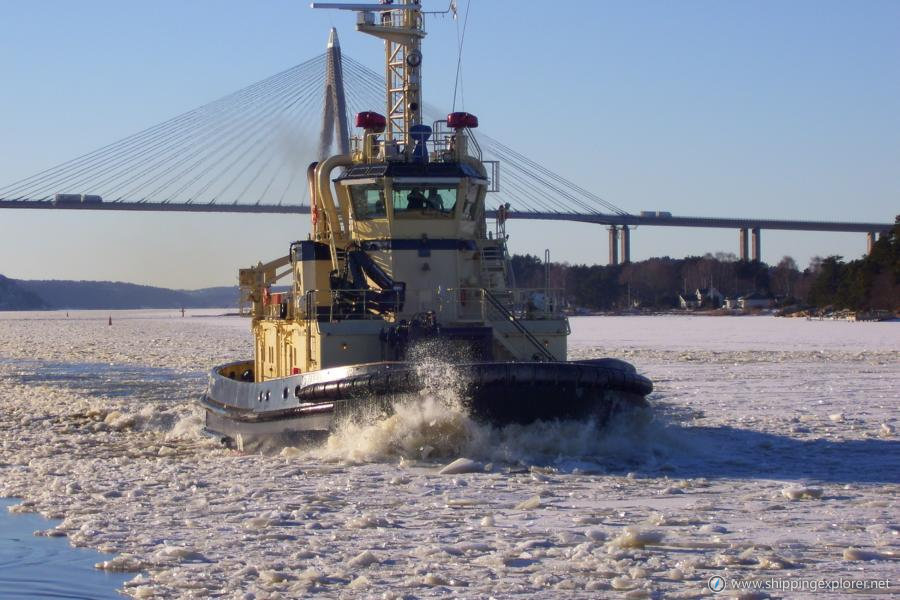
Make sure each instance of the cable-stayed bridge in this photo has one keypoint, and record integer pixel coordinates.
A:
(247, 152)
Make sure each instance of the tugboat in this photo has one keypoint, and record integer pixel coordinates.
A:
(401, 263)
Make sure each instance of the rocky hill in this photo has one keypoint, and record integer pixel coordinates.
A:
(14, 297)
(18, 294)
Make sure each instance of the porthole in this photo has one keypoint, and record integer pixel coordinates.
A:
(284, 394)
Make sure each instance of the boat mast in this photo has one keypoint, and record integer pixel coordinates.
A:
(399, 24)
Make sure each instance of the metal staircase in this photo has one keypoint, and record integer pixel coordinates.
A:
(493, 267)
(543, 352)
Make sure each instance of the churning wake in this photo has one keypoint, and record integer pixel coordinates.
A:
(434, 425)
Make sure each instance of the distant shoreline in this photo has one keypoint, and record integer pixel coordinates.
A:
(22, 294)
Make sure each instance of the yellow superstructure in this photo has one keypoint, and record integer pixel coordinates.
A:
(399, 249)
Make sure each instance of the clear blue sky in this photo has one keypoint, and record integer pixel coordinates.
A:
(765, 108)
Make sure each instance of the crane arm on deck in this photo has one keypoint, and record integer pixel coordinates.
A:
(254, 279)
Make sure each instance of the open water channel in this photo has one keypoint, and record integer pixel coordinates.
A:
(34, 567)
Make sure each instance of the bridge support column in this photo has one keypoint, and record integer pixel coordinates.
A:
(755, 244)
(613, 245)
(742, 244)
(870, 242)
(626, 245)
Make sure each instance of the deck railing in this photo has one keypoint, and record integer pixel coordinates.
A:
(472, 304)
(464, 304)
(443, 145)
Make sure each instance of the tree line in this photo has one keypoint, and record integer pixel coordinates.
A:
(871, 282)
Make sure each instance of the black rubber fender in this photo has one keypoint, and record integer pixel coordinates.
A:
(611, 374)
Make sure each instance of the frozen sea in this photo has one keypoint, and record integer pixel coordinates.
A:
(769, 454)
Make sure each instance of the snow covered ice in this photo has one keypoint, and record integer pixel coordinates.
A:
(741, 468)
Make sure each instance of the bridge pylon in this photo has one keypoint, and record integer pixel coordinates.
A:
(625, 250)
(756, 250)
(334, 113)
(613, 245)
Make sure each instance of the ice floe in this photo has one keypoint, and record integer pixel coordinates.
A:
(462, 465)
(738, 467)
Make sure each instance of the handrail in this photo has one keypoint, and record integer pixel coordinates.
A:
(525, 304)
(518, 325)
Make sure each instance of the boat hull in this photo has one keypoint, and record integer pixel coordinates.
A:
(308, 406)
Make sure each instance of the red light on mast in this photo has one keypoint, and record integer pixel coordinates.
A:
(371, 121)
(458, 120)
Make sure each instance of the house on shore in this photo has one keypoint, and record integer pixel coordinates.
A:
(701, 298)
(755, 300)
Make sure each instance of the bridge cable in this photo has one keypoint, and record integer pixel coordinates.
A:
(120, 145)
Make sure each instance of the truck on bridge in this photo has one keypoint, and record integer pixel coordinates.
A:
(76, 199)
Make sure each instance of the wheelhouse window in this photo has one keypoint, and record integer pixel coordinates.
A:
(368, 202)
(428, 200)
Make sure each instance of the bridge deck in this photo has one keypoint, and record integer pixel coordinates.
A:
(602, 219)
